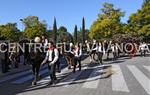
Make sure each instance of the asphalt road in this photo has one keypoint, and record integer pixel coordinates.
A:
(124, 76)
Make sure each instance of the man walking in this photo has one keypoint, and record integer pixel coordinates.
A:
(52, 57)
(77, 53)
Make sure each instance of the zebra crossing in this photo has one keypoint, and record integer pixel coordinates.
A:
(118, 81)
(141, 78)
(119, 78)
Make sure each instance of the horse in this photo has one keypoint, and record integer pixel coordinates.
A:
(67, 54)
(36, 58)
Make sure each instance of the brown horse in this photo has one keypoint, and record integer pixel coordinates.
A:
(68, 55)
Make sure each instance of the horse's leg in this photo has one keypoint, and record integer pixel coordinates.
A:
(17, 62)
(37, 71)
(108, 54)
(68, 62)
(58, 66)
(72, 61)
(90, 57)
(34, 74)
(94, 56)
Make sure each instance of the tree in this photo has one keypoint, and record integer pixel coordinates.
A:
(33, 27)
(49, 34)
(75, 34)
(9, 32)
(62, 34)
(55, 31)
(62, 29)
(83, 30)
(108, 23)
(140, 21)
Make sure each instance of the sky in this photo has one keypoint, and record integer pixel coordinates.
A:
(68, 13)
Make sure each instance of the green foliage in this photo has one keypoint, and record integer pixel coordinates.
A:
(33, 27)
(62, 34)
(79, 35)
(75, 34)
(83, 30)
(108, 23)
(62, 29)
(49, 35)
(55, 31)
(140, 21)
(9, 32)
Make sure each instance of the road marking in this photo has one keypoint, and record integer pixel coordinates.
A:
(147, 67)
(93, 80)
(118, 82)
(141, 78)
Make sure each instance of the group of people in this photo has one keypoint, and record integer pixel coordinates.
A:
(102, 48)
(52, 59)
(73, 55)
(116, 49)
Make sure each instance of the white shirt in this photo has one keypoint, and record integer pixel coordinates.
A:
(76, 52)
(142, 46)
(49, 56)
(88, 47)
(113, 48)
(95, 47)
(100, 49)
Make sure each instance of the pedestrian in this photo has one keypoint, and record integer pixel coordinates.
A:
(51, 58)
(113, 48)
(100, 52)
(77, 57)
(143, 49)
(3, 59)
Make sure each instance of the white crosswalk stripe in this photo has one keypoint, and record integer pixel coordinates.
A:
(147, 67)
(93, 80)
(141, 78)
(118, 81)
